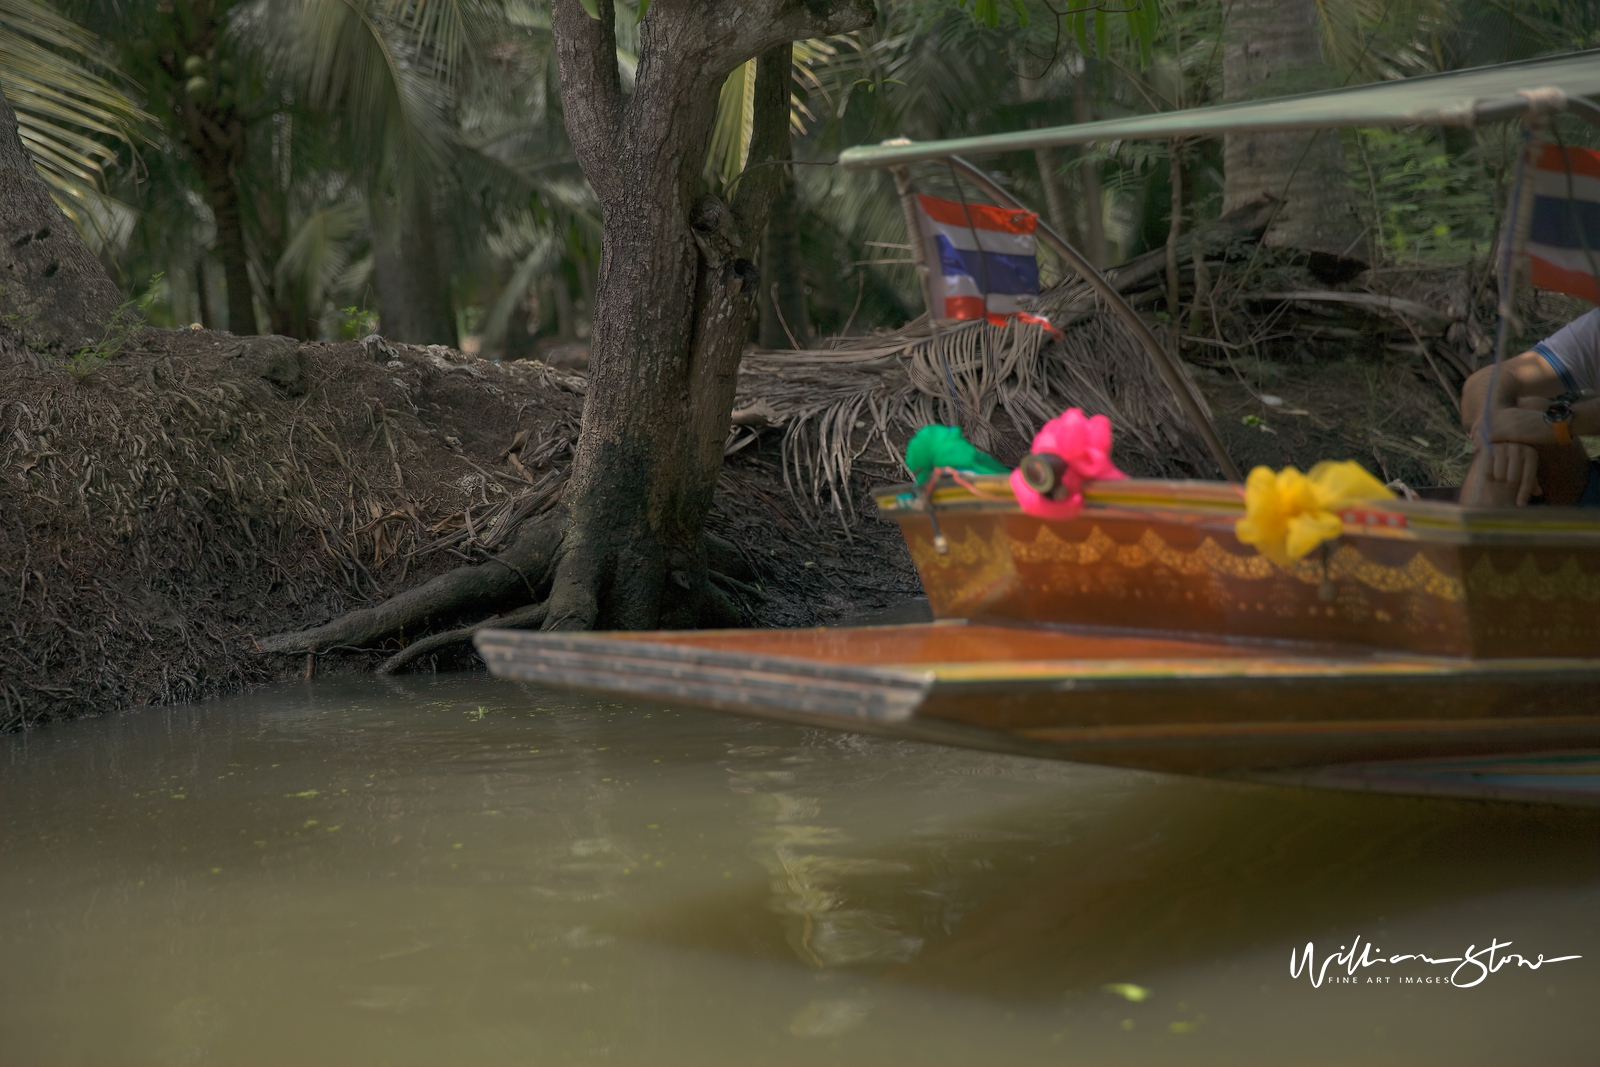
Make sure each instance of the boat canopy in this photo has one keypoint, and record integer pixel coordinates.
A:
(1455, 98)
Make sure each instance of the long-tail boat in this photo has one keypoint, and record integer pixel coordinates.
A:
(1427, 648)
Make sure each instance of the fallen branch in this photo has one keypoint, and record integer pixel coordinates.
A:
(1371, 301)
(1211, 238)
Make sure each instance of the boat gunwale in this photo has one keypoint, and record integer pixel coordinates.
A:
(658, 648)
(1219, 504)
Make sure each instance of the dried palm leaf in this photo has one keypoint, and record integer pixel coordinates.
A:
(857, 402)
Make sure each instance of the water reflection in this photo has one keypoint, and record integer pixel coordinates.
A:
(458, 870)
(808, 867)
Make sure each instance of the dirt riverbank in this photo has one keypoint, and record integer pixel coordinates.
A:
(201, 489)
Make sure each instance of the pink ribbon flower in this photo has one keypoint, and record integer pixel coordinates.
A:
(1084, 443)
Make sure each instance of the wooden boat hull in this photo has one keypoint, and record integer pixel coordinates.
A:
(1407, 576)
(1137, 701)
(1570, 778)
(1143, 634)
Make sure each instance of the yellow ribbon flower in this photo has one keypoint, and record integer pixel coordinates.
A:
(1287, 514)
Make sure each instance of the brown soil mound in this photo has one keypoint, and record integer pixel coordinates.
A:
(159, 512)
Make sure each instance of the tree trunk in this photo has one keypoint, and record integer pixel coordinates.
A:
(215, 164)
(1055, 202)
(584, 325)
(1094, 226)
(203, 292)
(675, 294)
(561, 297)
(1174, 231)
(413, 294)
(1272, 48)
(53, 291)
(673, 308)
(215, 136)
(783, 287)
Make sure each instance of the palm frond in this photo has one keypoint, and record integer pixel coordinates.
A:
(370, 63)
(541, 258)
(318, 251)
(730, 133)
(857, 403)
(1371, 40)
(69, 117)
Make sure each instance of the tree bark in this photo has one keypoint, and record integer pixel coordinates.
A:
(676, 291)
(53, 291)
(783, 290)
(413, 296)
(1272, 48)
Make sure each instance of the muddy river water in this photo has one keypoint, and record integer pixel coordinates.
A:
(457, 870)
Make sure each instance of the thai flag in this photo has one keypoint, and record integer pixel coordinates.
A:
(984, 258)
(1564, 234)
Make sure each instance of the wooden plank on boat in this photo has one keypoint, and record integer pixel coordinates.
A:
(1152, 702)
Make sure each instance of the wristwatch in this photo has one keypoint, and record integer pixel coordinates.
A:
(1559, 416)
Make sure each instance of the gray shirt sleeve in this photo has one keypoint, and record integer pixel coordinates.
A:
(1573, 352)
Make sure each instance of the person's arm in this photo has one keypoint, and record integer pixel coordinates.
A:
(1528, 374)
(1522, 393)
(1527, 425)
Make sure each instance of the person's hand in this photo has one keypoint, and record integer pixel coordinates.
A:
(1512, 473)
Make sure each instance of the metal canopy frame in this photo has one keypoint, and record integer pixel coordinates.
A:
(1455, 98)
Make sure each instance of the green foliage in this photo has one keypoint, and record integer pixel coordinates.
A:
(355, 322)
(128, 320)
(342, 109)
(1137, 28)
(987, 12)
(1423, 203)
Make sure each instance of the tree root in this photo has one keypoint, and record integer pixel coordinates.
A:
(720, 611)
(520, 589)
(527, 618)
(736, 585)
(518, 575)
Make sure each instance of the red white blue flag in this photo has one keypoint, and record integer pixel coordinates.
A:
(1564, 234)
(984, 259)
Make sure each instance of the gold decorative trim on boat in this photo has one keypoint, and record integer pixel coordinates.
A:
(1567, 582)
(1419, 575)
(1403, 576)
(1218, 504)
